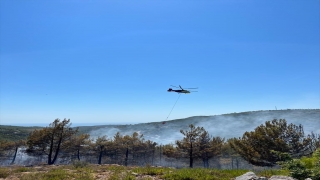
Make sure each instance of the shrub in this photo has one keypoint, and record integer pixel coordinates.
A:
(298, 169)
(306, 167)
(316, 173)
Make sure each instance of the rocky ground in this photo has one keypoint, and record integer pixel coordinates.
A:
(253, 176)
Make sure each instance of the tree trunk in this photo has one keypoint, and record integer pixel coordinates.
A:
(78, 154)
(126, 159)
(50, 151)
(160, 156)
(152, 156)
(191, 156)
(15, 155)
(100, 157)
(57, 150)
(205, 162)
(237, 163)
(216, 162)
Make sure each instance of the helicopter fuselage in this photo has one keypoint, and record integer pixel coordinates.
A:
(179, 91)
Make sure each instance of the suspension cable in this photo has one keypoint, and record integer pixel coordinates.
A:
(173, 106)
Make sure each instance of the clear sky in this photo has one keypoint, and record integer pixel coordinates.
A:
(111, 62)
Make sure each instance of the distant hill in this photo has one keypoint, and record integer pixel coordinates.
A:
(225, 125)
(14, 133)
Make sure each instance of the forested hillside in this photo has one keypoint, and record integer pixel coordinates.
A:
(226, 125)
(14, 133)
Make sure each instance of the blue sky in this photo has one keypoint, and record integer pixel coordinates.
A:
(111, 62)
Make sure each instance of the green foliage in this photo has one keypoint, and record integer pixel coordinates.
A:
(196, 144)
(201, 173)
(282, 156)
(170, 151)
(298, 169)
(308, 162)
(306, 167)
(50, 140)
(76, 146)
(274, 141)
(316, 157)
(316, 173)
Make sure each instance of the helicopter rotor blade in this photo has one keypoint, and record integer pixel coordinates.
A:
(183, 88)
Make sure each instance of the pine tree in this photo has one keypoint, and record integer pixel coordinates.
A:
(272, 142)
(77, 145)
(100, 147)
(49, 141)
(188, 145)
(209, 147)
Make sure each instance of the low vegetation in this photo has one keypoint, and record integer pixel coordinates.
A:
(116, 172)
(305, 167)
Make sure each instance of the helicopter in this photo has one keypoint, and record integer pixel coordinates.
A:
(182, 90)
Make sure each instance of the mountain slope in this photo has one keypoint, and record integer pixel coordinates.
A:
(226, 125)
